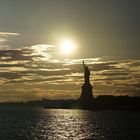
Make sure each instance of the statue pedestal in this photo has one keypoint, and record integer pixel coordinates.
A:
(86, 95)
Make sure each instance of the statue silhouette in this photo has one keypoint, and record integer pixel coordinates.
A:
(86, 73)
(86, 94)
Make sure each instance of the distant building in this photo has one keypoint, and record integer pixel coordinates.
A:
(86, 94)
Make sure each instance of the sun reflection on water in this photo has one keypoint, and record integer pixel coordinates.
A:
(65, 124)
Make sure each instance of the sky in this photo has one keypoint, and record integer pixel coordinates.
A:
(106, 34)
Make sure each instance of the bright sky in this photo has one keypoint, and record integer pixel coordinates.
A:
(105, 33)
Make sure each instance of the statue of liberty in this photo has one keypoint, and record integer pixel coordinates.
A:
(86, 94)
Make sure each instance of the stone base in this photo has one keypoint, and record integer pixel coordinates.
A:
(86, 95)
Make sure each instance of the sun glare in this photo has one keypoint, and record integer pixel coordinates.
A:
(67, 46)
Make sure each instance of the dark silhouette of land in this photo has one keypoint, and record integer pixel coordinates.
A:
(101, 102)
(86, 100)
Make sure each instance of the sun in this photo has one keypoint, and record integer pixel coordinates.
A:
(67, 46)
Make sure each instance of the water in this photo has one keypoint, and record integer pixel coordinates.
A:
(41, 124)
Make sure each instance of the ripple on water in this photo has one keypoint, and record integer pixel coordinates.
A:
(42, 124)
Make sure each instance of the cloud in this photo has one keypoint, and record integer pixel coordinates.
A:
(21, 94)
(130, 92)
(40, 67)
(6, 34)
(4, 38)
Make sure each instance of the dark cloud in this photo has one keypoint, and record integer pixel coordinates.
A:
(9, 75)
(12, 65)
(135, 63)
(17, 55)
